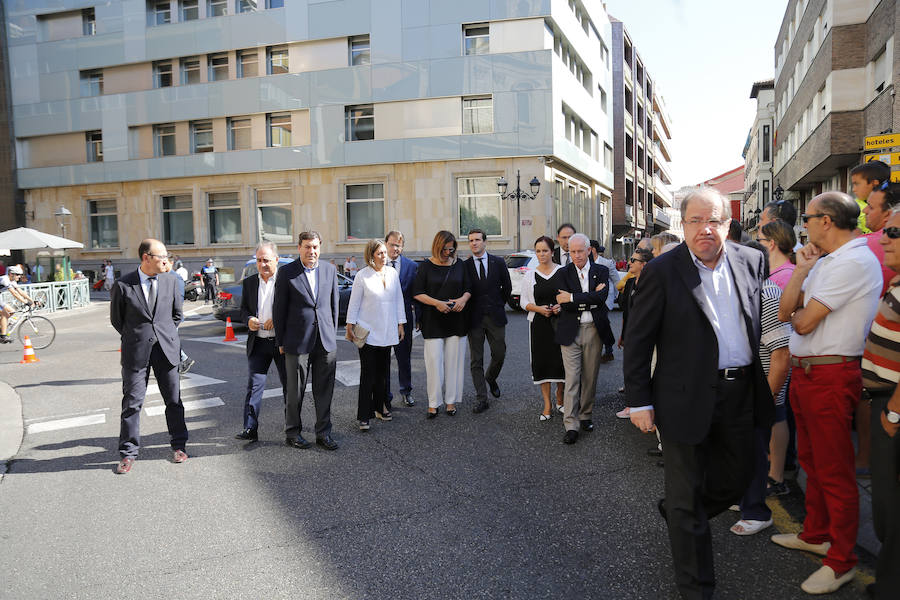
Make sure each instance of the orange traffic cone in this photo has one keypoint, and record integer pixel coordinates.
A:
(29, 356)
(229, 331)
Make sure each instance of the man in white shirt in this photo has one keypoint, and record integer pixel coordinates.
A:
(830, 300)
(109, 275)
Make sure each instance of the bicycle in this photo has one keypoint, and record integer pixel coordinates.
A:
(40, 330)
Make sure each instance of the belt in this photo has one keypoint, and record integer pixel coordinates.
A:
(735, 373)
(877, 393)
(807, 362)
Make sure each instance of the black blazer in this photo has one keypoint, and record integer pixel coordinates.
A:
(670, 313)
(297, 314)
(140, 330)
(626, 303)
(558, 251)
(250, 306)
(570, 317)
(489, 297)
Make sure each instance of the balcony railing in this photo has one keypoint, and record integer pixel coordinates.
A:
(661, 218)
(55, 295)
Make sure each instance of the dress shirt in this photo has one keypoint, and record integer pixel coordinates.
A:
(563, 258)
(483, 261)
(376, 303)
(585, 281)
(311, 278)
(264, 297)
(145, 286)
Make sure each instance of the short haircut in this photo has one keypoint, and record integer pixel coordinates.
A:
(645, 243)
(708, 193)
(477, 230)
(644, 254)
(371, 248)
(782, 234)
(393, 233)
(872, 171)
(595, 245)
(267, 246)
(144, 247)
(659, 240)
(308, 235)
(891, 193)
(735, 231)
(563, 226)
(440, 238)
(840, 207)
(581, 237)
(782, 209)
(550, 243)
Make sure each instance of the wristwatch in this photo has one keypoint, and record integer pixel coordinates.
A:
(891, 416)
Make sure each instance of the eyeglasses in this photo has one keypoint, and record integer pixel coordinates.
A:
(807, 217)
(162, 256)
(892, 232)
(449, 250)
(698, 221)
(883, 186)
(634, 260)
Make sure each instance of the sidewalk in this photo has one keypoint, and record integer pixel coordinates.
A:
(11, 426)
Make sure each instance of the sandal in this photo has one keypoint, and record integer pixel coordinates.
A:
(384, 416)
(749, 526)
(625, 413)
(546, 417)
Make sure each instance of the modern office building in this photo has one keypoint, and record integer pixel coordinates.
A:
(641, 148)
(215, 124)
(834, 70)
(758, 175)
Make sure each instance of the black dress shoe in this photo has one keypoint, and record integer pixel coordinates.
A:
(661, 506)
(495, 389)
(571, 437)
(480, 407)
(326, 442)
(249, 435)
(432, 415)
(297, 442)
(608, 357)
(587, 425)
(654, 452)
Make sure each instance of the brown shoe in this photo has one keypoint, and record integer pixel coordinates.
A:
(179, 456)
(124, 465)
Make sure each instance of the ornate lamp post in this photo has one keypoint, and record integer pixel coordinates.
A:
(518, 195)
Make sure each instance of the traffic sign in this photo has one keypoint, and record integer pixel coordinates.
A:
(874, 142)
(888, 158)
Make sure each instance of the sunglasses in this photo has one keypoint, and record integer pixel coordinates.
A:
(892, 232)
(763, 239)
(806, 217)
(449, 250)
(634, 260)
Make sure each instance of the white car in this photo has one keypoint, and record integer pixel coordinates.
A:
(518, 264)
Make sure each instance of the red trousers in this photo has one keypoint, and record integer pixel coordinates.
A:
(824, 402)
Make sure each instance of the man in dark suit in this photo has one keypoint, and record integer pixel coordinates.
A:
(257, 299)
(305, 313)
(582, 298)
(146, 311)
(406, 269)
(699, 307)
(561, 252)
(491, 288)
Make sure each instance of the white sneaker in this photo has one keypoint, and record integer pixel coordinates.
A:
(824, 581)
(793, 541)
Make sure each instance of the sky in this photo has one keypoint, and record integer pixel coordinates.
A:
(704, 56)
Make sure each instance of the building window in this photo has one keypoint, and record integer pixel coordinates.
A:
(104, 223)
(629, 147)
(92, 83)
(476, 38)
(164, 140)
(248, 63)
(162, 74)
(879, 71)
(279, 130)
(275, 4)
(246, 6)
(94, 140)
(178, 220)
(190, 10)
(766, 143)
(765, 192)
(278, 60)
(607, 157)
(602, 99)
(479, 205)
(88, 22)
(360, 50)
(360, 123)
(216, 8)
(239, 134)
(190, 70)
(273, 216)
(202, 136)
(162, 12)
(224, 218)
(365, 211)
(218, 67)
(478, 115)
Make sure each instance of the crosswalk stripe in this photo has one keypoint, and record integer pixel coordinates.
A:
(189, 405)
(66, 423)
(191, 380)
(218, 339)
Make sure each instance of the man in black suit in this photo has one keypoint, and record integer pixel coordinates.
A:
(305, 313)
(146, 311)
(257, 299)
(491, 288)
(561, 252)
(406, 269)
(582, 298)
(699, 307)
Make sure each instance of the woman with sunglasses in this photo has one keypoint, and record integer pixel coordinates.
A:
(442, 287)
(639, 258)
(778, 238)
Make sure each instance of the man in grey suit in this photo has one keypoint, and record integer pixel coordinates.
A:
(305, 314)
(145, 309)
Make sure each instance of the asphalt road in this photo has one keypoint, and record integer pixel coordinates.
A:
(477, 506)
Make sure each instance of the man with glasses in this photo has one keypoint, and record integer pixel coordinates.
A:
(406, 269)
(830, 300)
(879, 204)
(146, 310)
(698, 305)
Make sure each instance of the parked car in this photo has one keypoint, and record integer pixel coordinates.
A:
(518, 264)
(228, 303)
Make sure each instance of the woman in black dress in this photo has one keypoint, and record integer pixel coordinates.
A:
(539, 289)
(442, 287)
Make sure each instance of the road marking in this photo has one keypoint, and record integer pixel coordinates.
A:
(217, 339)
(191, 380)
(348, 372)
(68, 415)
(189, 405)
(66, 423)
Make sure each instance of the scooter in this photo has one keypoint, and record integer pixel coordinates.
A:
(193, 289)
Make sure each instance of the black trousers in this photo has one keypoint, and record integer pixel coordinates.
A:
(496, 338)
(606, 334)
(320, 366)
(885, 503)
(374, 370)
(263, 355)
(209, 288)
(703, 480)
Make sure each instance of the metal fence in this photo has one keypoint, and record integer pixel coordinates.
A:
(55, 295)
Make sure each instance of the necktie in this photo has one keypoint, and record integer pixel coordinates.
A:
(565, 259)
(481, 269)
(394, 263)
(151, 297)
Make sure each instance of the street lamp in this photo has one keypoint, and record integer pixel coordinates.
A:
(62, 215)
(518, 195)
(778, 194)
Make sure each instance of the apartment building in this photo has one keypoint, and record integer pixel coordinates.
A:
(641, 148)
(215, 124)
(834, 70)
(758, 174)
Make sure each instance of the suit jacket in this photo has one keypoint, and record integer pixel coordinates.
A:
(139, 328)
(669, 312)
(626, 303)
(250, 306)
(570, 317)
(407, 271)
(557, 252)
(297, 314)
(489, 297)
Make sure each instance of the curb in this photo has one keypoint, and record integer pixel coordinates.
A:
(11, 426)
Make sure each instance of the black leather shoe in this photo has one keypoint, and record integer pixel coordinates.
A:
(326, 442)
(297, 442)
(608, 357)
(432, 415)
(408, 400)
(654, 452)
(587, 425)
(661, 507)
(571, 437)
(495, 389)
(480, 407)
(249, 435)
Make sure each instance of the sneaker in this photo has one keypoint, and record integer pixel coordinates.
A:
(5, 339)
(185, 366)
(408, 400)
(825, 581)
(777, 488)
(793, 541)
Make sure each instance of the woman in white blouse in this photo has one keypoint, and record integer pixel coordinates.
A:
(376, 304)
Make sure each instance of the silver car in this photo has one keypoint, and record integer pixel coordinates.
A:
(518, 264)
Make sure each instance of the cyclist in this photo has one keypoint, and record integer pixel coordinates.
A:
(8, 283)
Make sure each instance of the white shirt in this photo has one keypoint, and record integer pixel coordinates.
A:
(528, 282)
(183, 273)
(109, 272)
(145, 285)
(7, 283)
(584, 279)
(311, 277)
(483, 260)
(376, 304)
(564, 258)
(848, 281)
(264, 297)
